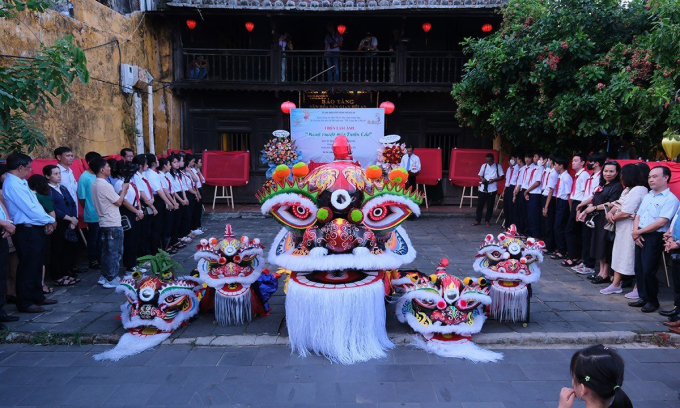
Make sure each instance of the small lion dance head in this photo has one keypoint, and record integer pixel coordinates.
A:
(510, 264)
(445, 311)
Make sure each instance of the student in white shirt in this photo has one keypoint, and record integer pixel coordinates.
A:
(532, 195)
(411, 163)
(520, 189)
(172, 206)
(160, 201)
(179, 190)
(489, 175)
(65, 159)
(573, 229)
(197, 209)
(147, 201)
(548, 183)
(510, 182)
(595, 163)
(562, 190)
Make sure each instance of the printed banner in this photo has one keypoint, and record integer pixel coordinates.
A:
(314, 130)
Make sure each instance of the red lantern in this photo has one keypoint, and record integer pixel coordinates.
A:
(341, 29)
(427, 27)
(388, 106)
(287, 106)
(250, 26)
(191, 24)
(487, 28)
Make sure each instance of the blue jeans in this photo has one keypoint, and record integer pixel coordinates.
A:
(198, 73)
(112, 251)
(94, 243)
(332, 58)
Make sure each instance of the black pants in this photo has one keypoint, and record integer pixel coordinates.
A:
(508, 210)
(169, 227)
(489, 199)
(646, 265)
(586, 240)
(573, 233)
(28, 241)
(534, 215)
(548, 223)
(4, 267)
(197, 214)
(63, 257)
(177, 223)
(185, 222)
(675, 270)
(560, 225)
(520, 208)
(145, 233)
(94, 242)
(130, 240)
(156, 240)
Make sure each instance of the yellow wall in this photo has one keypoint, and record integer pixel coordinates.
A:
(92, 120)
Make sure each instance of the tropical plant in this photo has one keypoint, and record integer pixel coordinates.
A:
(29, 84)
(568, 73)
(162, 265)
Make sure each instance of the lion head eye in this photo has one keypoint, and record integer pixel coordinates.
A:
(382, 213)
(294, 211)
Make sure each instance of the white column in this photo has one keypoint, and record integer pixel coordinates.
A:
(139, 126)
(149, 107)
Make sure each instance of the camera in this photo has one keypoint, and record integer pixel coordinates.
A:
(129, 169)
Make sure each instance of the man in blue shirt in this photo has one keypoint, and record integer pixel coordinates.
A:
(672, 237)
(94, 246)
(32, 223)
(649, 225)
(6, 229)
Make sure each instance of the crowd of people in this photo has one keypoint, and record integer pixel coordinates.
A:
(133, 206)
(585, 218)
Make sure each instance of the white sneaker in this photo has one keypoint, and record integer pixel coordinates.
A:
(102, 280)
(578, 267)
(611, 290)
(197, 231)
(112, 283)
(632, 295)
(586, 271)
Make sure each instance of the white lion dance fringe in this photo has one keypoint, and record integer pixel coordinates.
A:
(233, 310)
(509, 305)
(131, 344)
(344, 325)
(457, 349)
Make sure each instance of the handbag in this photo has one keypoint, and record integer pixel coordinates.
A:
(590, 221)
(70, 235)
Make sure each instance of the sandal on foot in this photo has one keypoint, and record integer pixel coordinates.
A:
(65, 281)
(47, 290)
(557, 255)
(569, 262)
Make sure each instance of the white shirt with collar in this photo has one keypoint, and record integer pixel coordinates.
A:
(591, 184)
(564, 189)
(520, 176)
(154, 180)
(580, 179)
(68, 180)
(139, 181)
(537, 175)
(512, 175)
(549, 181)
(415, 163)
(489, 172)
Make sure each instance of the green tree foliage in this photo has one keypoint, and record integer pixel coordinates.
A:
(560, 73)
(30, 84)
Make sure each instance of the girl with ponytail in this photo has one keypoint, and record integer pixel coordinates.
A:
(597, 377)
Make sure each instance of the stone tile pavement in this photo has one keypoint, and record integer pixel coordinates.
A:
(563, 302)
(174, 376)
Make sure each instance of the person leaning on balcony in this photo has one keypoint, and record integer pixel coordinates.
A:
(369, 45)
(285, 43)
(198, 68)
(332, 44)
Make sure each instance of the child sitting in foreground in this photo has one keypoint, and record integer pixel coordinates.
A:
(597, 376)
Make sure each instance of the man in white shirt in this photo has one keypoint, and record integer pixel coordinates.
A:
(411, 163)
(573, 229)
(518, 195)
(548, 183)
(562, 190)
(65, 158)
(489, 175)
(595, 163)
(532, 195)
(510, 182)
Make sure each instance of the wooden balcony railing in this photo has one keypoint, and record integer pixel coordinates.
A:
(300, 66)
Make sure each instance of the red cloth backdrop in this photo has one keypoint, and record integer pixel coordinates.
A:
(226, 168)
(675, 172)
(465, 164)
(431, 165)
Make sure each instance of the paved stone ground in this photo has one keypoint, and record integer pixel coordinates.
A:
(270, 376)
(563, 302)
